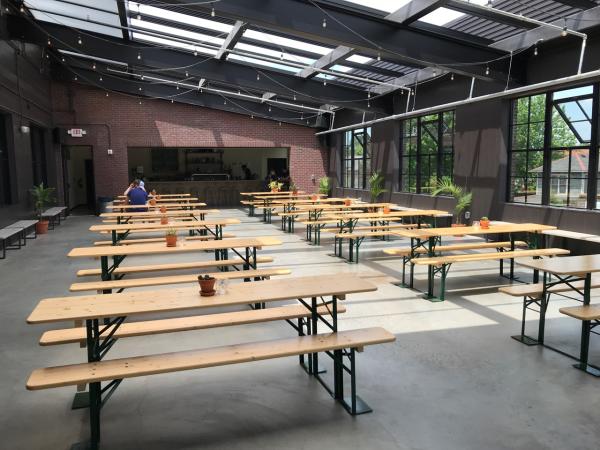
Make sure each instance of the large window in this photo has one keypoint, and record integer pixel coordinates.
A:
(550, 161)
(427, 151)
(356, 156)
(38, 156)
(5, 194)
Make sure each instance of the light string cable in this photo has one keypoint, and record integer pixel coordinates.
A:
(260, 114)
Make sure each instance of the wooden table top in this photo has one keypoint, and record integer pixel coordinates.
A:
(391, 214)
(566, 265)
(162, 195)
(156, 213)
(308, 201)
(182, 247)
(167, 200)
(157, 226)
(271, 193)
(185, 298)
(158, 205)
(424, 233)
(352, 206)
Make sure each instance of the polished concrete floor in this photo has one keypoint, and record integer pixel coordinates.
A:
(452, 380)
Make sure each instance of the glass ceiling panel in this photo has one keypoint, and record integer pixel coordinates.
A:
(186, 19)
(387, 5)
(359, 59)
(286, 42)
(273, 53)
(171, 43)
(185, 34)
(55, 12)
(258, 62)
(443, 16)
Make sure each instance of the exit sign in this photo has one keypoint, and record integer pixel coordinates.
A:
(76, 132)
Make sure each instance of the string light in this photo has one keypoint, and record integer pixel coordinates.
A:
(140, 102)
(94, 66)
(49, 42)
(140, 88)
(22, 8)
(324, 22)
(212, 12)
(101, 78)
(325, 82)
(258, 77)
(294, 97)
(62, 58)
(563, 33)
(269, 108)
(535, 51)
(107, 94)
(378, 56)
(451, 77)
(139, 56)
(186, 73)
(75, 78)
(172, 100)
(195, 51)
(79, 41)
(487, 70)
(224, 102)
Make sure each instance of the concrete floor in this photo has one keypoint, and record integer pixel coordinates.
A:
(452, 380)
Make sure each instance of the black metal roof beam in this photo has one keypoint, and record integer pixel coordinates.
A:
(414, 10)
(581, 4)
(488, 13)
(161, 92)
(230, 73)
(326, 61)
(365, 33)
(232, 38)
(123, 18)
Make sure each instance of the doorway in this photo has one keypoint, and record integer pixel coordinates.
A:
(80, 194)
(277, 164)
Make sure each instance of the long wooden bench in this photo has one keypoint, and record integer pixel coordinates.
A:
(175, 279)
(162, 239)
(160, 326)
(441, 264)
(589, 315)
(124, 270)
(532, 295)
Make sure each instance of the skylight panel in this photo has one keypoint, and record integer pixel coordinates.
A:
(443, 16)
(387, 5)
(171, 43)
(286, 42)
(186, 34)
(359, 59)
(273, 53)
(340, 68)
(258, 62)
(186, 19)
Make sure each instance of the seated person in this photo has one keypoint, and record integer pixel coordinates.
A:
(137, 196)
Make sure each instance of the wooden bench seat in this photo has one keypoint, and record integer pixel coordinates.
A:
(589, 315)
(121, 270)
(393, 226)
(441, 264)
(138, 366)
(160, 326)
(405, 251)
(536, 289)
(583, 312)
(175, 279)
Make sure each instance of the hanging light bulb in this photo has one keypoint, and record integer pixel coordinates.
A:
(101, 79)
(195, 51)
(94, 66)
(369, 94)
(301, 116)
(139, 56)
(281, 56)
(140, 102)
(269, 108)
(62, 59)
(22, 8)
(279, 123)
(79, 41)
(434, 73)
(212, 12)
(140, 88)
(252, 116)
(324, 22)
(178, 87)
(563, 33)
(186, 73)
(378, 56)
(75, 78)
(451, 77)
(107, 94)
(172, 100)
(49, 41)
(535, 51)
(142, 77)
(368, 104)
(325, 82)
(224, 102)
(487, 70)
(294, 97)
(257, 76)
(139, 16)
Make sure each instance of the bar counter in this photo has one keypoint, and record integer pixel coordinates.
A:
(213, 193)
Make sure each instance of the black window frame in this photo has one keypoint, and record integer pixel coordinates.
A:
(361, 134)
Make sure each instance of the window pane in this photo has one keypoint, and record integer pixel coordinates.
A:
(519, 137)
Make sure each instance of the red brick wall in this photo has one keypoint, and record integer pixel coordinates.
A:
(159, 123)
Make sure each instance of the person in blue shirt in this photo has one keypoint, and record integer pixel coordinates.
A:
(137, 196)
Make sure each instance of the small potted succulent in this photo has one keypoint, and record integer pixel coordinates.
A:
(386, 209)
(207, 285)
(347, 202)
(42, 197)
(294, 188)
(314, 197)
(164, 220)
(171, 237)
(275, 186)
(484, 222)
(153, 201)
(163, 209)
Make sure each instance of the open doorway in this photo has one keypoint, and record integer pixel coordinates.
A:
(80, 192)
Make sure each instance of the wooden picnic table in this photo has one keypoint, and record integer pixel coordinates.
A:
(428, 238)
(124, 216)
(121, 231)
(118, 253)
(251, 194)
(161, 196)
(565, 271)
(160, 201)
(190, 205)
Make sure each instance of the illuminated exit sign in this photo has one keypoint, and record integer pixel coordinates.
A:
(76, 132)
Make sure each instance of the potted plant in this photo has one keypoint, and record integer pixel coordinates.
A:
(294, 188)
(152, 201)
(462, 196)
(171, 237)
(42, 197)
(347, 202)
(164, 220)
(163, 209)
(324, 185)
(207, 285)
(484, 222)
(386, 209)
(314, 197)
(376, 182)
(275, 186)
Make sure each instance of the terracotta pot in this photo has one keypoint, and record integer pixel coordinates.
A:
(347, 202)
(485, 224)
(171, 240)
(41, 227)
(274, 190)
(386, 209)
(164, 220)
(158, 197)
(207, 287)
(163, 209)
(295, 192)
(314, 197)
(153, 202)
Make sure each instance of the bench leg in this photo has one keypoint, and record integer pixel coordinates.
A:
(354, 404)
(586, 328)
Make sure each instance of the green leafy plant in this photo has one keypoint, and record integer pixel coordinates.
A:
(376, 183)
(205, 277)
(171, 232)
(324, 185)
(293, 187)
(463, 198)
(42, 197)
(275, 185)
(485, 219)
